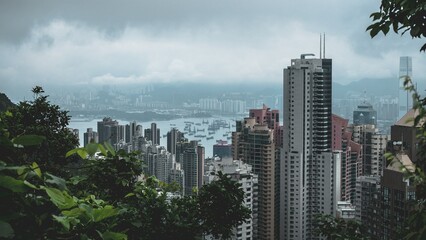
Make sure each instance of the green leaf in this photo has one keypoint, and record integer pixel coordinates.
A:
(6, 231)
(13, 184)
(375, 15)
(36, 169)
(82, 153)
(60, 198)
(102, 149)
(110, 148)
(59, 182)
(28, 140)
(77, 179)
(75, 212)
(30, 185)
(66, 221)
(71, 152)
(385, 29)
(113, 236)
(91, 149)
(129, 195)
(102, 213)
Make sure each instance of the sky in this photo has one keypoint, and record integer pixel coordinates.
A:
(92, 43)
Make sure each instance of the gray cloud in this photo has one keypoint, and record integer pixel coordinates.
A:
(97, 42)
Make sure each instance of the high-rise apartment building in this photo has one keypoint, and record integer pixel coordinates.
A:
(373, 148)
(383, 208)
(90, 136)
(405, 132)
(404, 97)
(174, 136)
(190, 167)
(110, 131)
(308, 166)
(153, 134)
(271, 118)
(158, 162)
(222, 149)
(367, 200)
(243, 174)
(351, 159)
(254, 144)
(201, 153)
(130, 131)
(365, 114)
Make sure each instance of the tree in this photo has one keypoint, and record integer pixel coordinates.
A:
(403, 16)
(337, 228)
(104, 197)
(5, 102)
(220, 206)
(39, 117)
(38, 205)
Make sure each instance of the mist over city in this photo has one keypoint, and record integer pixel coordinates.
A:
(212, 119)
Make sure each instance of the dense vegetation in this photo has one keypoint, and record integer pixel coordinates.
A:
(52, 190)
(5, 102)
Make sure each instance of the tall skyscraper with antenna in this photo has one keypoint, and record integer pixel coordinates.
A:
(308, 165)
(404, 97)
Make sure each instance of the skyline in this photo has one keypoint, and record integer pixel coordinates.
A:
(59, 43)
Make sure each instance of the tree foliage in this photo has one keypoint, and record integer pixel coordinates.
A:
(105, 196)
(401, 16)
(39, 117)
(337, 228)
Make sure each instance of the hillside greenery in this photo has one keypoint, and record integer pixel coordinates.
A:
(50, 189)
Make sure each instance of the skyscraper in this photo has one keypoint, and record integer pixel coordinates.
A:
(351, 160)
(243, 174)
(365, 114)
(174, 136)
(373, 148)
(254, 144)
(271, 118)
(153, 134)
(130, 131)
(201, 153)
(308, 163)
(110, 131)
(405, 101)
(190, 168)
(90, 136)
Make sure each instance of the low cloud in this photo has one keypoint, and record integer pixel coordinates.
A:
(72, 53)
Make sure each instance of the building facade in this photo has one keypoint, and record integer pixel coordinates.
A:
(243, 174)
(254, 144)
(365, 114)
(90, 136)
(308, 185)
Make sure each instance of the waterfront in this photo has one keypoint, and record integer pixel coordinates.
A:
(200, 124)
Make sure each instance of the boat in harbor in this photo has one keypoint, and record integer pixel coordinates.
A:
(209, 138)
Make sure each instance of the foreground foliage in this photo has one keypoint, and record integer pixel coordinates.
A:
(401, 16)
(102, 196)
(337, 228)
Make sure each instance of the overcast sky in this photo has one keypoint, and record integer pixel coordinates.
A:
(125, 42)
